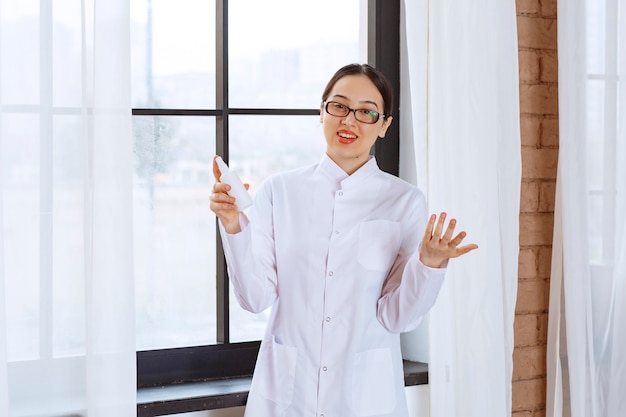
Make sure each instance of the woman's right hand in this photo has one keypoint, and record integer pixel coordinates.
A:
(223, 205)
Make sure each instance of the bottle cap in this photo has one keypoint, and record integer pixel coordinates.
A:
(222, 165)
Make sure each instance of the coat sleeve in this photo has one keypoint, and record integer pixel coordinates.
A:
(251, 255)
(411, 288)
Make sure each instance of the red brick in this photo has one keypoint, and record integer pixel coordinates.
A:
(529, 66)
(549, 68)
(539, 163)
(529, 394)
(529, 198)
(527, 263)
(548, 8)
(549, 132)
(528, 6)
(536, 229)
(526, 331)
(538, 71)
(542, 328)
(544, 261)
(532, 296)
(539, 99)
(529, 362)
(530, 129)
(547, 190)
(536, 32)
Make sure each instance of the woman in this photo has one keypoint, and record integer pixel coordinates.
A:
(344, 255)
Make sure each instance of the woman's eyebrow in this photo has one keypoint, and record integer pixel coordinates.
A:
(362, 101)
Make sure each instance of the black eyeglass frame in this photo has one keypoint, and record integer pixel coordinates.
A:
(379, 116)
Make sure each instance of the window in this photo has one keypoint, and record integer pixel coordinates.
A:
(243, 79)
(602, 129)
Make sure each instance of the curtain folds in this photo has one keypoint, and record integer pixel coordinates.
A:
(460, 129)
(586, 339)
(67, 337)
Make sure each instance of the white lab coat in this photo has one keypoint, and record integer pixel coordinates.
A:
(336, 257)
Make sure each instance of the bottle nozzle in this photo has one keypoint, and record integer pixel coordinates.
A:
(222, 165)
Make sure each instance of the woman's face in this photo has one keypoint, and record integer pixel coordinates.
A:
(348, 141)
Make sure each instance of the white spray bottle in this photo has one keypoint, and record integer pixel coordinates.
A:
(237, 189)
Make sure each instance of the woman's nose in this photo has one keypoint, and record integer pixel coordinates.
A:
(350, 118)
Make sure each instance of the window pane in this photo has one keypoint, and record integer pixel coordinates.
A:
(19, 67)
(174, 232)
(173, 53)
(67, 53)
(282, 52)
(259, 147)
(595, 133)
(68, 267)
(595, 36)
(21, 224)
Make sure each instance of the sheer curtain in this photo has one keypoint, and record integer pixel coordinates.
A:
(461, 144)
(67, 339)
(587, 318)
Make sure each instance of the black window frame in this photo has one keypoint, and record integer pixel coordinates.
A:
(231, 360)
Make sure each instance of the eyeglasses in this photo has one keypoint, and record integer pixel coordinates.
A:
(362, 115)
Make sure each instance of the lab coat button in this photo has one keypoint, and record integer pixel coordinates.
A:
(330, 274)
(327, 319)
(324, 369)
(340, 193)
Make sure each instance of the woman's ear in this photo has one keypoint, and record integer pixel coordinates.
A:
(385, 126)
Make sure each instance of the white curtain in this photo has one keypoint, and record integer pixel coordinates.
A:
(587, 317)
(460, 142)
(67, 338)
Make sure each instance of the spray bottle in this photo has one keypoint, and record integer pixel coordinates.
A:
(237, 189)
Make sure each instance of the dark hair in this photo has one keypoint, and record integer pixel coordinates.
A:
(378, 78)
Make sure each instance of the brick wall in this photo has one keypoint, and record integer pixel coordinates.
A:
(537, 37)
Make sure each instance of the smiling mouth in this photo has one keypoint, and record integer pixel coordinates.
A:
(345, 137)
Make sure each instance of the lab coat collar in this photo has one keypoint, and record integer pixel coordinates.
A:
(331, 170)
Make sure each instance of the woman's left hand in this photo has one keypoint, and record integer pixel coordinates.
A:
(437, 248)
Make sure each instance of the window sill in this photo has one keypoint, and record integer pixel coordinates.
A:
(224, 393)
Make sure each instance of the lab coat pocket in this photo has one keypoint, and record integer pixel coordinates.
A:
(373, 390)
(379, 243)
(275, 373)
